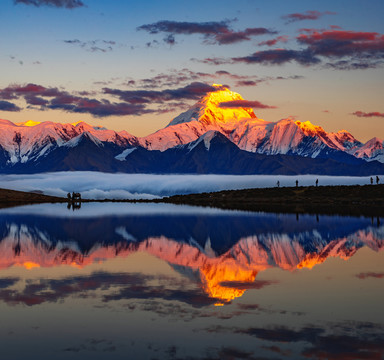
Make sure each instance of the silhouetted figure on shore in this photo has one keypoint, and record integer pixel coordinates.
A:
(317, 182)
(377, 180)
(76, 196)
(371, 180)
(74, 201)
(278, 183)
(297, 183)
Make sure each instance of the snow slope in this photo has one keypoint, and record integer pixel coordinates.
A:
(33, 141)
(30, 141)
(243, 128)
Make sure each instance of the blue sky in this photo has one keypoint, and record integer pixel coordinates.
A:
(95, 45)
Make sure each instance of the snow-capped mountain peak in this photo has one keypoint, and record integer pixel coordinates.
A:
(32, 140)
(309, 129)
(206, 138)
(217, 116)
(239, 124)
(28, 123)
(372, 150)
(83, 136)
(209, 112)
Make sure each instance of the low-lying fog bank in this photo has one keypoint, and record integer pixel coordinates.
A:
(95, 185)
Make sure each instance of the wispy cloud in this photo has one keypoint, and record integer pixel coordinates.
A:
(67, 4)
(127, 286)
(368, 114)
(370, 274)
(355, 49)
(245, 104)
(102, 104)
(184, 76)
(278, 57)
(97, 108)
(337, 49)
(241, 285)
(99, 345)
(132, 102)
(192, 91)
(8, 106)
(214, 32)
(307, 15)
(56, 99)
(274, 41)
(357, 340)
(93, 45)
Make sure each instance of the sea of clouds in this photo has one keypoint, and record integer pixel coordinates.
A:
(96, 185)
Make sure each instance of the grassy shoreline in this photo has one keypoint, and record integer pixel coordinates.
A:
(344, 200)
(10, 198)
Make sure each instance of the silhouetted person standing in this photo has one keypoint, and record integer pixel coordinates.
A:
(317, 182)
(278, 183)
(297, 183)
(377, 180)
(371, 180)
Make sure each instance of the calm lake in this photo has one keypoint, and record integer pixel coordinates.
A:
(160, 281)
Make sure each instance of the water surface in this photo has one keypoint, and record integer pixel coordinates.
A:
(161, 281)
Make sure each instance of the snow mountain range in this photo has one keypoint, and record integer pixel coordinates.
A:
(216, 135)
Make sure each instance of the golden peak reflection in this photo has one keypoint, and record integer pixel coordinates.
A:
(214, 275)
(30, 265)
(223, 277)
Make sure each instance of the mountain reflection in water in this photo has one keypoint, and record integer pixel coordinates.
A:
(141, 281)
(222, 251)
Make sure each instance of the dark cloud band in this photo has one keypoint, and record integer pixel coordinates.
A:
(8, 106)
(308, 15)
(67, 4)
(245, 104)
(213, 32)
(192, 91)
(368, 114)
(132, 102)
(336, 49)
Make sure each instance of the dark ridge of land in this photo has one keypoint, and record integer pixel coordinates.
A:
(9, 198)
(356, 200)
(367, 200)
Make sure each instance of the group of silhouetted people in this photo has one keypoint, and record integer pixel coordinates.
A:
(74, 196)
(297, 183)
(74, 201)
(377, 180)
(317, 182)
